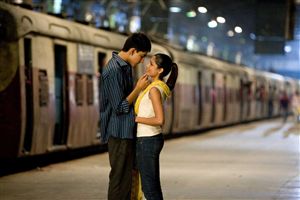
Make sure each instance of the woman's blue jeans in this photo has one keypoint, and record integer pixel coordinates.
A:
(147, 159)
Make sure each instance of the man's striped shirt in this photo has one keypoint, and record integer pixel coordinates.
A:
(116, 115)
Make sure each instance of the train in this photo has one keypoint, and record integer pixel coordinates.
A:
(49, 87)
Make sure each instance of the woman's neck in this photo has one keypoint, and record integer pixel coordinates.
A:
(154, 79)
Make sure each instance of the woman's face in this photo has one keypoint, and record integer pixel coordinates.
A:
(152, 69)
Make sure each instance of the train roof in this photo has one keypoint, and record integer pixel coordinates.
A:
(28, 21)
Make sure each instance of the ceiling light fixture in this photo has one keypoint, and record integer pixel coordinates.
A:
(191, 13)
(238, 29)
(175, 9)
(212, 24)
(221, 20)
(202, 9)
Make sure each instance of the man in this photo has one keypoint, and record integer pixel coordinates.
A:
(117, 121)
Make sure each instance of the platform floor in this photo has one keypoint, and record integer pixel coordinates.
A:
(255, 161)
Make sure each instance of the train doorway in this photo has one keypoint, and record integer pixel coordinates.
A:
(101, 64)
(225, 99)
(200, 104)
(241, 98)
(61, 96)
(29, 95)
(213, 98)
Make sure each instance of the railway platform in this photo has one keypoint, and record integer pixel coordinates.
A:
(253, 161)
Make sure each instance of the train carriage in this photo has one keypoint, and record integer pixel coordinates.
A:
(49, 96)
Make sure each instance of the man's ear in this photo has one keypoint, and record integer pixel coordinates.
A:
(131, 51)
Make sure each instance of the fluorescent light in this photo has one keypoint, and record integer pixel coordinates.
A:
(191, 14)
(202, 9)
(238, 29)
(287, 48)
(212, 24)
(221, 20)
(175, 9)
(230, 33)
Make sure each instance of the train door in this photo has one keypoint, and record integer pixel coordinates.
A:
(225, 98)
(247, 97)
(101, 60)
(199, 80)
(61, 96)
(213, 98)
(241, 98)
(29, 95)
(230, 99)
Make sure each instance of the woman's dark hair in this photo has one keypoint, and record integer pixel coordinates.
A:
(139, 41)
(165, 62)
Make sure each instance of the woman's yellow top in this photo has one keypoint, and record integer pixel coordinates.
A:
(159, 83)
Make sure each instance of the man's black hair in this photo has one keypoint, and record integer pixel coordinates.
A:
(139, 41)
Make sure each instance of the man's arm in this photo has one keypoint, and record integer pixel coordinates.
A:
(114, 89)
(140, 85)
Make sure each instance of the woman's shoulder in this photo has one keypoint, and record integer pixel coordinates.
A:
(158, 89)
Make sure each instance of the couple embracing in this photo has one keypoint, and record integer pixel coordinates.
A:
(122, 105)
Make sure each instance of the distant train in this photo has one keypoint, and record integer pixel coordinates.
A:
(49, 88)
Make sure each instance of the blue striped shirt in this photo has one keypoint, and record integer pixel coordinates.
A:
(116, 115)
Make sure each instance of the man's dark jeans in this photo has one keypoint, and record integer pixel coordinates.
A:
(147, 159)
(121, 154)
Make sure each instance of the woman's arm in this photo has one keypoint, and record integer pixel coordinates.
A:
(158, 119)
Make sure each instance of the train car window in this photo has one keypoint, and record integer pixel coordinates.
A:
(219, 94)
(85, 59)
(237, 95)
(207, 94)
(43, 88)
(79, 89)
(90, 90)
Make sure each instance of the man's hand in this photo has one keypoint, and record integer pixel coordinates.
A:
(142, 83)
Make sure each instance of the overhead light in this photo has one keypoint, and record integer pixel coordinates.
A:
(212, 24)
(135, 24)
(238, 29)
(221, 20)
(252, 36)
(57, 6)
(230, 33)
(202, 9)
(287, 48)
(175, 9)
(191, 13)
(18, 1)
(88, 17)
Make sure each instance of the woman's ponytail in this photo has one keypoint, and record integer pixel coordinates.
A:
(173, 76)
(164, 61)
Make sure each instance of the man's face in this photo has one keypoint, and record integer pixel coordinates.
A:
(137, 57)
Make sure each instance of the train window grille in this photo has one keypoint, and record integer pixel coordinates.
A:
(79, 89)
(237, 95)
(207, 94)
(231, 95)
(219, 94)
(90, 90)
(43, 88)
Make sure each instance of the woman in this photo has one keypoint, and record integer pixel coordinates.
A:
(150, 118)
